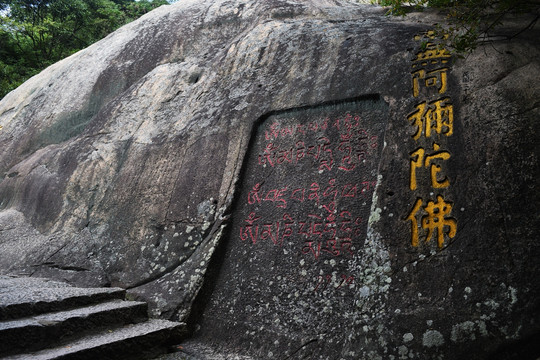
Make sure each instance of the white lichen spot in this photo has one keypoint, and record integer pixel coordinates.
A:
(468, 290)
(513, 295)
(303, 272)
(432, 338)
(364, 291)
(302, 262)
(333, 262)
(492, 304)
(403, 351)
(482, 328)
(375, 216)
(429, 323)
(189, 229)
(408, 337)
(463, 332)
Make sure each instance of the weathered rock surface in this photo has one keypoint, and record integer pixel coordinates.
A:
(297, 125)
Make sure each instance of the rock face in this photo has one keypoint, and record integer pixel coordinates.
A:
(294, 179)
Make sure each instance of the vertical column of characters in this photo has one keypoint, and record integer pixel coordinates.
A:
(432, 120)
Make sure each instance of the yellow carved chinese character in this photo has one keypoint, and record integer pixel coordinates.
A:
(435, 169)
(432, 78)
(418, 160)
(431, 34)
(433, 53)
(414, 222)
(436, 116)
(437, 221)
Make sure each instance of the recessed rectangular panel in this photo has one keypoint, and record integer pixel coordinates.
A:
(300, 219)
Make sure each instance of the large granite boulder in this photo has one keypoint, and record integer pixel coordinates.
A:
(294, 179)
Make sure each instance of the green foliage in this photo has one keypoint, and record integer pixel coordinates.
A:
(468, 20)
(37, 33)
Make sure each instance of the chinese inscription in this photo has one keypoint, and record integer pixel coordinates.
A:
(311, 182)
(432, 122)
(306, 193)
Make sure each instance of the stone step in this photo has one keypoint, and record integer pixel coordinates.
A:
(39, 331)
(23, 297)
(135, 341)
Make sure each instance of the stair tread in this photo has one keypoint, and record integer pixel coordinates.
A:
(94, 341)
(23, 297)
(48, 295)
(53, 318)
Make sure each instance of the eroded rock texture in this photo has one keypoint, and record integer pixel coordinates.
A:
(295, 179)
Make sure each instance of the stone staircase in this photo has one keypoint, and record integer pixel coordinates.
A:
(42, 319)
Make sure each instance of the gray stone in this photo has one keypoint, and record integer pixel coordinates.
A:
(152, 161)
(23, 296)
(143, 335)
(43, 319)
(38, 332)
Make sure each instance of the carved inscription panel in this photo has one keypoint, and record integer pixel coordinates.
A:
(309, 182)
(302, 213)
